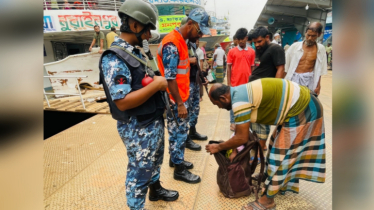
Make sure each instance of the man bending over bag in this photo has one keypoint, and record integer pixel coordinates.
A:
(298, 142)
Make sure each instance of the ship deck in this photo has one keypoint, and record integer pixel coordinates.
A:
(85, 167)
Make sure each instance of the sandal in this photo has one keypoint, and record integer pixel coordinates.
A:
(259, 206)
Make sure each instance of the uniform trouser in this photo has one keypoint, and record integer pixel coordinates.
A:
(145, 151)
(194, 103)
(177, 135)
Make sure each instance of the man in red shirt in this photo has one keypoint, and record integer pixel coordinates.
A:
(240, 63)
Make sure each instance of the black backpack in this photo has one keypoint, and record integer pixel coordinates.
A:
(235, 178)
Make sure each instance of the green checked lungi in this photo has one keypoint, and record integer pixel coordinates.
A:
(219, 74)
(297, 151)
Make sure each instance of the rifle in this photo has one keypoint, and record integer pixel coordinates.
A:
(152, 64)
(192, 54)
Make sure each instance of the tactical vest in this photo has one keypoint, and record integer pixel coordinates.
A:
(194, 68)
(151, 109)
(183, 68)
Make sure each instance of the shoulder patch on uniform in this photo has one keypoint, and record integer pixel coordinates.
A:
(120, 79)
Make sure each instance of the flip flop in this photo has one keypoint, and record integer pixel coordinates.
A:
(259, 206)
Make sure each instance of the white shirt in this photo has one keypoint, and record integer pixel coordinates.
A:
(220, 56)
(286, 47)
(293, 56)
(200, 55)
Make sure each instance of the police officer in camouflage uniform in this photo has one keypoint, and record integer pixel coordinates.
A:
(139, 110)
(174, 63)
(194, 99)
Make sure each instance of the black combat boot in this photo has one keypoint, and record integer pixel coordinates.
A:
(182, 174)
(185, 163)
(192, 145)
(195, 135)
(157, 192)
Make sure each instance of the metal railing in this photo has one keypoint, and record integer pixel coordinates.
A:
(82, 5)
(70, 94)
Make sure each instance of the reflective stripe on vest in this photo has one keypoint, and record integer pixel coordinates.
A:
(183, 68)
(183, 62)
(182, 71)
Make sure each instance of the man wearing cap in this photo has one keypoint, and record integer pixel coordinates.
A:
(137, 109)
(277, 39)
(194, 99)
(174, 64)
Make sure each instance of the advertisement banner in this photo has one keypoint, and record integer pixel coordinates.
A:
(328, 32)
(168, 23)
(79, 20)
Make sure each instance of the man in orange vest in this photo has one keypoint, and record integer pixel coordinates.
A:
(174, 64)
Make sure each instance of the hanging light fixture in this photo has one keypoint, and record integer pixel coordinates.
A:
(307, 7)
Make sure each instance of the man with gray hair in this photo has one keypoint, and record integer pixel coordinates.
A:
(306, 61)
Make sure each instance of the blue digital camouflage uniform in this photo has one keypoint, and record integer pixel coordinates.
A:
(194, 100)
(145, 145)
(177, 135)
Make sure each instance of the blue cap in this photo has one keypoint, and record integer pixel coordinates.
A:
(202, 18)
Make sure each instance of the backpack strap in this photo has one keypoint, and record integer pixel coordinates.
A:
(124, 54)
(258, 149)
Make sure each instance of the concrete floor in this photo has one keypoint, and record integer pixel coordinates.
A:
(85, 167)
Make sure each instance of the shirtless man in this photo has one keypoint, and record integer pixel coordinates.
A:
(306, 61)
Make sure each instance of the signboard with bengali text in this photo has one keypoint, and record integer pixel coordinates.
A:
(169, 22)
(79, 20)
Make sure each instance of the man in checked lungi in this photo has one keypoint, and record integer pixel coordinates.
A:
(297, 146)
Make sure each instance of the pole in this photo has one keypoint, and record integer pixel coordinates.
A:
(80, 94)
(46, 98)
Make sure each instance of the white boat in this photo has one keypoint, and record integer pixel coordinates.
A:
(69, 33)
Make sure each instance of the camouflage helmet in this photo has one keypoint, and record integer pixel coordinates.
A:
(140, 10)
(184, 20)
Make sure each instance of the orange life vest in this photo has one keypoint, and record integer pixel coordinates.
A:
(183, 68)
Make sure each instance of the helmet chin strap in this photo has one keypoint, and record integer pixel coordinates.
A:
(138, 35)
